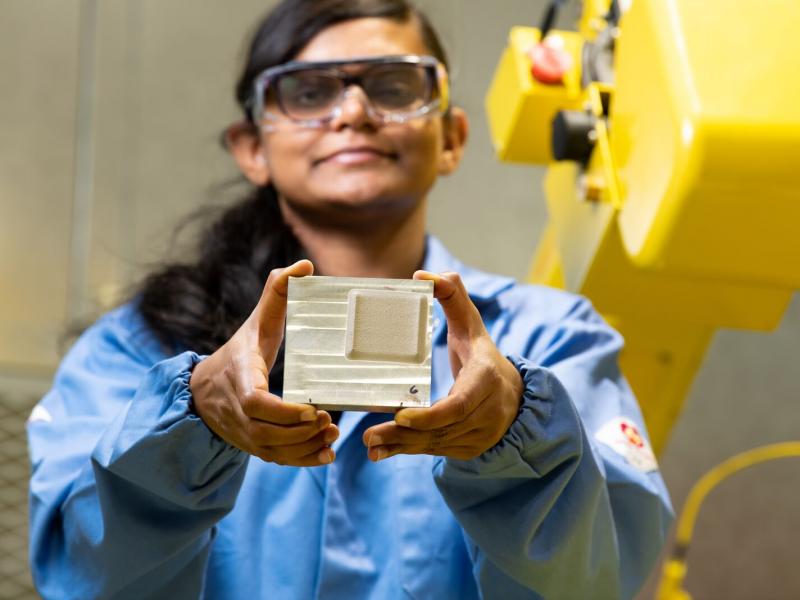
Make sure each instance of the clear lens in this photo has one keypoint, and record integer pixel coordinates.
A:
(397, 88)
(308, 94)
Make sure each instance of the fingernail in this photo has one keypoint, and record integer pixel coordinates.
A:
(331, 435)
(381, 453)
(402, 421)
(308, 415)
(375, 440)
(326, 456)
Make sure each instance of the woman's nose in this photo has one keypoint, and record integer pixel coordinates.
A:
(353, 110)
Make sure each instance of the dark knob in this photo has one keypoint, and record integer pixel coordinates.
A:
(573, 135)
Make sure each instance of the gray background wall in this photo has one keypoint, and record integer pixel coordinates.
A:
(109, 115)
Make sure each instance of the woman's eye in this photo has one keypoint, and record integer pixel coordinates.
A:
(397, 88)
(395, 93)
(307, 96)
(308, 92)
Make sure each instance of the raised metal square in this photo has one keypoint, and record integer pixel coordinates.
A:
(386, 325)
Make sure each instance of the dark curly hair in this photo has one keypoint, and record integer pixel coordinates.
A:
(200, 304)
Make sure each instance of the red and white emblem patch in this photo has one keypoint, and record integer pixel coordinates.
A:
(622, 435)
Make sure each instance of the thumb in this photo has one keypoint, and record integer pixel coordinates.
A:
(463, 318)
(464, 323)
(270, 312)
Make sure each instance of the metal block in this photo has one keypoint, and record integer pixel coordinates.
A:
(358, 343)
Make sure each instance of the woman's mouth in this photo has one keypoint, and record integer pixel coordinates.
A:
(357, 156)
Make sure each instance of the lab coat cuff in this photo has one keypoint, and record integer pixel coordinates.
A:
(160, 428)
(546, 433)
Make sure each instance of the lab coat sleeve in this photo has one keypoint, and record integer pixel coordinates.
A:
(551, 512)
(127, 481)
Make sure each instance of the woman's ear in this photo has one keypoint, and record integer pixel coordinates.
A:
(244, 143)
(456, 131)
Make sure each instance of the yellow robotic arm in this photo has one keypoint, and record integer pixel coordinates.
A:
(672, 138)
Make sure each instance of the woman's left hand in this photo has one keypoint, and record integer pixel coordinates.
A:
(481, 405)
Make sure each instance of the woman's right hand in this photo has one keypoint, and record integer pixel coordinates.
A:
(231, 393)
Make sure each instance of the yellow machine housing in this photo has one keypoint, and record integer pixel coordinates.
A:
(706, 138)
(523, 108)
(682, 219)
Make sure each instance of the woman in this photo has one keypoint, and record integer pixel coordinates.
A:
(165, 463)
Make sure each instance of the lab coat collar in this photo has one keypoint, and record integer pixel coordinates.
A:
(482, 287)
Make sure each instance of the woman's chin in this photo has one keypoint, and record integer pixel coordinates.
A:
(370, 206)
(355, 207)
(353, 193)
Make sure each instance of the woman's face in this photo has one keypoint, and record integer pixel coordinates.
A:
(356, 165)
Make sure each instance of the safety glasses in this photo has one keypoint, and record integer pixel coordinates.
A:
(310, 94)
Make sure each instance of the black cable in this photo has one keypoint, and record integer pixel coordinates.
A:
(614, 13)
(550, 16)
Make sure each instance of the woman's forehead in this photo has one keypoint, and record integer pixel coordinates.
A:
(364, 38)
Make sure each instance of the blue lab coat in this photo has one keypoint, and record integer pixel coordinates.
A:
(132, 496)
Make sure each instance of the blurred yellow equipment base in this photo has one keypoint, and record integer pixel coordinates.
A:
(683, 219)
(674, 570)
